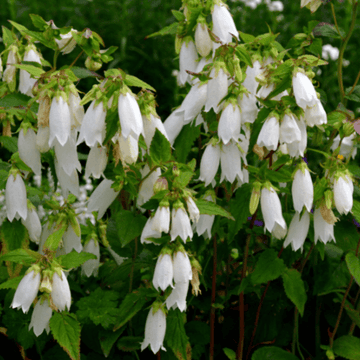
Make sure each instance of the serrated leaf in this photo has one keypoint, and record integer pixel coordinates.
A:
(8, 36)
(52, 242)
(316, 47)
(185, 141)
(75, 259)
(178, 15)
(167, 30)
(66, 331)
(108, 338)
(247, 37)
(210, 208)
(175, 336)
(272, 353)
(32, 70)
(160, 148)
(9, 143)
(282, 175)
(131, 80)
(14, 234)
(183, 179)
(11, 283)
(353, 264)
(282, 86)
(82, 73)
(295, 289)
(38, 21)
(268, 267)
(335, 116)
(129, 343)
(355, 95)
(348, 347)
(14, 100)
(243, 55)
(21, 256)
(328, 30)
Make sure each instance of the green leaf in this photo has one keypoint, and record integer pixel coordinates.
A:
(353, 314)
(130, 343)
(32, 70)
(14, 100)
(8, 36)
(268, 267)
(167, 30)
(328, 30)
(175, 336)
(131, 80)
(346, 235)
(183, 179)
(295, 289)
(335, 116)
(282, 86)
(210, 208)
(198, 332)
(316, 47)
(160, 148)
(185, 141)
(108, 338)
(353, 264)
(355, 95)
(21, 256)
(247, 37)
(272, 353)
(14, 234)
(39, 22)
(11, 284)
(131, 305)
(282, 175)
(82, 73)
(9, 143)
(178, 15)
(348, 347)
(243, 55)
(231, 354)
(66, 331)
(75, 259)
(52, 242)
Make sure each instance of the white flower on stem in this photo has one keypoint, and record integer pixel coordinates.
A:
(192, 209)
(76, 110)
(148, 232)
(217, 89)
(161, 219)
(40, 317)
(205, 222)
(187, 61)
(305, 2)
(60, 294)
(150, 125)
(209, 163)
(66, 156)
(279, 232)
(177, 297)
(223, 24)
(230, 162)
(173, 124)
(163, 274)
(315, 115)
(182, 267)
(248, 108)
(129, 149)
(202, 39)
(269, 134)
(28, 151)
(15, 197)
(130, 116)
(155, 331)
(297, 148)
(229, 123)
(146, 189)
(68, 183)
(194, 102)
(250, 82)
(93, 125)
(102, 198)
(96, 162)
(298, 231)
(67, 43)
(180, 225)
(26, 291)
(304, 91)
(33, 225)
(323, 230)
(271, 209)
(42, 139)
(343, 194)
(59, 121)
(71, 241)
(91, 267)
(302, 190)
(347, 147)
(289, 130)
(10, 70)
(26, 83)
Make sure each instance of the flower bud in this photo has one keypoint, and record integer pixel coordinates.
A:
(160, 185)
(92, 64)
(348, 129)
(203, 42)
(255, 197)
(40, 317)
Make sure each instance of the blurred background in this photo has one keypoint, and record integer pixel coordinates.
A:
(126, 23)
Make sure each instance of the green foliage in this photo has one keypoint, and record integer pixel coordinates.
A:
(75, 259)
(160, 148)
(348, 347)
(272, 352)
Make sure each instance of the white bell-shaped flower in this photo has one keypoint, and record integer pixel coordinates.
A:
(66, 156)
(323, 230)
(161, 219)
(15, 197)
(279, 232)
(298, 231)
(59, 121)
(177, 297)
(10, 70)
(250, 82)
(71, 241)
(91, 267)
(230, 162)
(96, 162)
(26, 82)
(187, 61)
(203, 41)
(146, 189)
(154, 331)
(315, 115)
(204, 225)
(209, 163)
(68, 183)
(40, 318)
(229, 123)
(148, 232)
(223, 24)
(92, 129)
(192, 209)
(163, 274)
(249, 110)
(289, 130)
(194, 102)
(173, 124)
(42, 139)
(150, 125)
(271, 209)
(76, 110)
(302, 190)
(180, 225)
(67, 43)
(102, 198)
(28, 151)
(60, 293)
(297, 148)
(182, 267)
(343, 194)
(304, 91)
(129, 149)
(33, 225)
(269, 134)
(26, 291)
(347, 147)
(217, 89)
(130, 116)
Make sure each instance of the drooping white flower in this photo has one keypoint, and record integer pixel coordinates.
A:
(182, 267)
(33, 225)
(271, 209)
(96, 162)
(289, 130)
(202, 40)
(302, 190)
(91, 267)
(76, 110)
(92, 129)
(155, 331)
(67, 43)
(59, 121)
(42, 139)
(180, 225)
(194, 102)
(28, 151)
(323, 230)
(187, 61)
(315, 115)
(173, 124)
(15, 197)
(163, 274)
(223, 24)
(250, 81)
(217, 89)
(343, 194)
(192, 209)
(26, 82)
(279, 232)
(10, 70)
(269, 134)
(129, 149)
(161, 219)
(297, 148)
(304, 91)
(40, 317)
(347, 147)
(71, 241)
(68, 183)
(229, 123)
(298, 231)
(66, 156)
(148, 232)
(150, 125)
(146, 189)
(205, 223)
(305, 2)
(230, 160)
(248, 108)
(209, 163)
(60, 294)
(177, 298)
(130, 116)
(102, 198)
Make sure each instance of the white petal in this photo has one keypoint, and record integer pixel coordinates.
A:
(163, 274)
(15, 197)
(28, 151)
(180, 225)
(59, 121)
(40, 318)
(60, 294)
(91, 267)
(302, 191)
(209, 163)
(269, 134)
(130, 116)
(154, 331)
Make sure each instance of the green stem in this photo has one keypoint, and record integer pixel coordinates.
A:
(56, 54)
(213, 295)
(12, 9)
